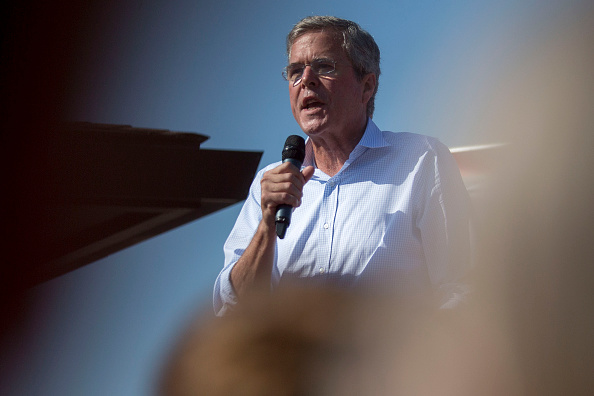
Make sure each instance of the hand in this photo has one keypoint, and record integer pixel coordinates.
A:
(282, 185)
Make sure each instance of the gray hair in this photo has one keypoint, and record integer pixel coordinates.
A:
(359, 46)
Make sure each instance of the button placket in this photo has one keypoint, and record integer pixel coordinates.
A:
(328, 192)
(331, 195)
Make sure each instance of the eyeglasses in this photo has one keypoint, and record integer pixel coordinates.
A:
(321, 67)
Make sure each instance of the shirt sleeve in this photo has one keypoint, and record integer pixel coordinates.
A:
(444, 224)
(224, 297)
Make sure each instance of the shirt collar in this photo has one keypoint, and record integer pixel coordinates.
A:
(372, 138)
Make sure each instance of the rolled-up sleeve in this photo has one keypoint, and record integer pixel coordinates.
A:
(224, 296)
(445, 225)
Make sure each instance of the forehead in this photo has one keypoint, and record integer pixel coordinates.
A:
(312, 45)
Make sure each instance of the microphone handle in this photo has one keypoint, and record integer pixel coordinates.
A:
(283, 212)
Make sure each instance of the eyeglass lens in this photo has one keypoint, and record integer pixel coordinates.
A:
(295, 71)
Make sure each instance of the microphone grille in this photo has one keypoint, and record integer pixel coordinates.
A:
(294, 148)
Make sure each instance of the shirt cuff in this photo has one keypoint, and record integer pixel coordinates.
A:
(224, 293)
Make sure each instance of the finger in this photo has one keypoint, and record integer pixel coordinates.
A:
(285, 173)
(283, 188)
(283, 191)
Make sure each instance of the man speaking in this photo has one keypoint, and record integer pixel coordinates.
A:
(372, 209)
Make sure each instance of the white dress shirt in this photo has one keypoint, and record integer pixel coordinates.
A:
(396, 215)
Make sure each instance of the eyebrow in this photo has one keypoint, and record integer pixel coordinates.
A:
(313, 60)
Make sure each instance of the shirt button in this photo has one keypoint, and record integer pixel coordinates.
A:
(326, 226)
(322, 270)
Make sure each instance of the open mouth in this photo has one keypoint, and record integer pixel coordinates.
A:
(314, 104)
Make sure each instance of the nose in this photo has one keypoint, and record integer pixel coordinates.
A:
(308, 78)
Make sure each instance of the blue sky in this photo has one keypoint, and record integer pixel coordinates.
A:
(214, 67)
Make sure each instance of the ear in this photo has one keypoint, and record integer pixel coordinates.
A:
(369, 83)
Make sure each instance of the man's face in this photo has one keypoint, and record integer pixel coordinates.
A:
(327, 105)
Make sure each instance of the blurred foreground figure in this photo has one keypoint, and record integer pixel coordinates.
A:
(536, 252)
(294, 342)
(323, 341)
(318, 341)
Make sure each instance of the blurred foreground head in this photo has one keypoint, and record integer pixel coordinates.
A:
(323, 341)
(298, 341)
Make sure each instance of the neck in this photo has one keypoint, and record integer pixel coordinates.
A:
(331, 152)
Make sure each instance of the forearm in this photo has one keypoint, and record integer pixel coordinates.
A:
(253, 269)
(282, 185)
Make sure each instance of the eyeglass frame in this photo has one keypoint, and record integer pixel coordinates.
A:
(313, 67)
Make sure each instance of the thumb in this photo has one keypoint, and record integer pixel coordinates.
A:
(308, 172)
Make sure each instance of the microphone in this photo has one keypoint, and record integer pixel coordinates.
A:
(293, 152)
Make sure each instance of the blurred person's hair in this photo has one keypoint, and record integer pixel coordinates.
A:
(297, 341)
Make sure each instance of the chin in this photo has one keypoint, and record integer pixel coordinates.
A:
(313, 126)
